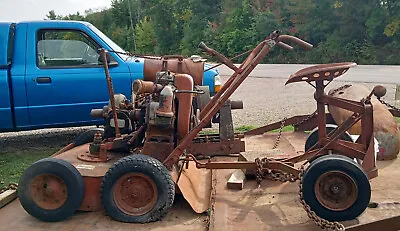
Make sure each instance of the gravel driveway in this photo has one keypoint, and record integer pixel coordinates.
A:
(268, 100)
(265, 100)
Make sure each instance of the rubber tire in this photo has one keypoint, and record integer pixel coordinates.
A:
(87, 136)
(336, 163)
(138, 164)
(202, 100)
(312, 138)
(64, 170)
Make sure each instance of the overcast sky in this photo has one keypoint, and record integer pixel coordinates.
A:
(21, 10)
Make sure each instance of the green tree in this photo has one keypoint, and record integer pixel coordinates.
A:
(52, 15)
(199, 16)
(146, 39)
(364, 31)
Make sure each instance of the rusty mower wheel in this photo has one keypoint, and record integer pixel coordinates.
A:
(312, 138)
(137, 189)
(51, 189)
(336, 188)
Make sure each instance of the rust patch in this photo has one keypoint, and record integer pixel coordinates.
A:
(48, 191)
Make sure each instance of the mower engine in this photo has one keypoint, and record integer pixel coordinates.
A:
(162, 111)
(159, 112)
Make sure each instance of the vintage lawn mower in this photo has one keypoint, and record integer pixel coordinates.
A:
(151, 147)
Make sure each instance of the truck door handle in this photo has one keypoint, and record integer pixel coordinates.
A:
(43, 80)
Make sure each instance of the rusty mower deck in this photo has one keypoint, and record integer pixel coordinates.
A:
(273, 206)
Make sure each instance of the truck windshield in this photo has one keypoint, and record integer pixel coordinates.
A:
(109, 42)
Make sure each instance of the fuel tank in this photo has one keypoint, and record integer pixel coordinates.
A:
(385, 125)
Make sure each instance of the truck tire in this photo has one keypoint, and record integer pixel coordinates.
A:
(336, 188)
(137, 189)
(87, 136)
(51, 189)
(202, 100)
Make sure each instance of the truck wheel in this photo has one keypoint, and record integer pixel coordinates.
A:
(336, 188)
(137, 189)
(51, 189)
(87, 136)
(312, 138)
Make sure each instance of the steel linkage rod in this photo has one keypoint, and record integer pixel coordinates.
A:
(331, 139)
(230, 80)
(110, 92)
(241, 74)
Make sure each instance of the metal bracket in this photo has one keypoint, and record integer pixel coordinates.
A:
(226, 131)
(271, 43)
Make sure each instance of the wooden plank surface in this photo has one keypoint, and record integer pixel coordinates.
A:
(7, 196)
(236, 181)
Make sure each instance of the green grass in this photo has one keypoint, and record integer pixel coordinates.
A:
(208, 132)
(14, 162)
(245, 128)
(289, 128)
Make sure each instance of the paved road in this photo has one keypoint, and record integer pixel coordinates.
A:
(362, 73)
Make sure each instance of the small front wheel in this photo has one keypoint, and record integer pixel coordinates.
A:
(137, 189)
(51, 189)
(336, 188)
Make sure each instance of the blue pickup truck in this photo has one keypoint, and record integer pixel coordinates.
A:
(51, 75)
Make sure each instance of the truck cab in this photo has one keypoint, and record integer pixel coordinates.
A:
(51, 74)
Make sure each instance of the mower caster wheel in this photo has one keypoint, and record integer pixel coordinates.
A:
(312, 138)
(336, 188)
(51, 189)
(87, 136)
(137, 189)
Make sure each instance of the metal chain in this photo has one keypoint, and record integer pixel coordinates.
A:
(275, 175)
(287, 177)
(13, 186)
(388, 105)
(340, 88)
(324, 224)
(297, 123)
(147, 56)
(281, 176)
(278, 139)
(259, 171)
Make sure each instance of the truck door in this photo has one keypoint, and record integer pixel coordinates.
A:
(65, 77)
(6, 46)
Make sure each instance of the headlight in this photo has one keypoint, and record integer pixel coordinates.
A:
(217, 83)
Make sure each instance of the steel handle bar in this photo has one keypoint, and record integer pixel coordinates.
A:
(280, 41)
(273, 36)
(219, 56)
(284, 46)
(288, 38)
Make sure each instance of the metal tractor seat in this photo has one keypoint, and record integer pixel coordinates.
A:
(320, 72)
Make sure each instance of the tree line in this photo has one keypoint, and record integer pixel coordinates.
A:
(363, 31)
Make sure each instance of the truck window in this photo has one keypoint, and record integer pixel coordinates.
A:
(66, 48)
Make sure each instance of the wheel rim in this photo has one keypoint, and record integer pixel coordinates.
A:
(135, 194)
(336, 190)
(48, 191)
